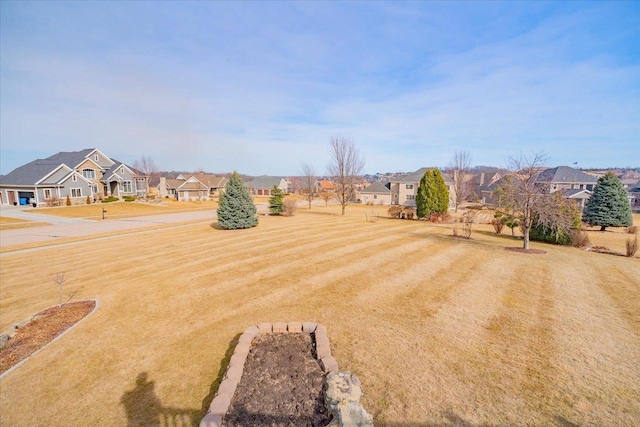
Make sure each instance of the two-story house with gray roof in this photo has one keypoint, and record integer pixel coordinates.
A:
(405, 187)
(76, 174)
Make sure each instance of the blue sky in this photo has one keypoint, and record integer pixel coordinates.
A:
(260, 87)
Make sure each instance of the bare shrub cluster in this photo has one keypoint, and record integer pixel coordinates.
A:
(632, 245)
(289, 206)
(498, 225)
(399, 212)
(633, 229)
(440, 218)
(580, 239)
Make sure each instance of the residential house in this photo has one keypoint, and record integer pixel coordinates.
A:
(325, 185)
(377, 193)
(75, 174)
(405, 187)
(263, 185)
(198, 186)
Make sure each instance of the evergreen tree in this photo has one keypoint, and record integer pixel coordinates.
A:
(236, 208)
(608, 206)
(275, 202)
(433, 195)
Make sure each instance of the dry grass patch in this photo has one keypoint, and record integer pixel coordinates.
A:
(7, 223)
(441, 331)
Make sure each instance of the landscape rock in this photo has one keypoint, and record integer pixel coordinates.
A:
(220, 404)
(211, 420)
(251, 331)
(4, 339)
(329, 364)
(279, 328)
(309, 327)
(264, 328)
(293, 327)
(342, 399)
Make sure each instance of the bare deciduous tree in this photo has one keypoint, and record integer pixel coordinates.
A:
(308, 182)
(459, 167)
(521, 193)
(59, 280)
(345, 166)
(147, 167)
(326, 196)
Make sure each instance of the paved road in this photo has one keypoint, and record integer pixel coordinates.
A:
(61, 228)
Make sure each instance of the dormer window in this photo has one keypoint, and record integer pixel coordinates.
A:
(74, 178)
(89, 173)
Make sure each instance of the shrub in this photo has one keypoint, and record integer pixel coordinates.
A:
(68, 200)
(580, 239)
(498, 225)
(632, 246)
(88, 201)
(129, 198)
(53, 201)
(440, 217)
(110, 199)
(289, 206)
(633, 229)
(394, 211)
(408, 212)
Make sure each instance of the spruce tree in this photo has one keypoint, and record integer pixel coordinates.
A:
(236, 209)
(608, 206)
(433, 195)
(275, 202)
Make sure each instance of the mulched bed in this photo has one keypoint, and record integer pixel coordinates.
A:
(527, 251)
(41, 330)
(281, 384)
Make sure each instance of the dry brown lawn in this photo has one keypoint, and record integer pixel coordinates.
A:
(125, 209)
(441, 331)
(7, 223)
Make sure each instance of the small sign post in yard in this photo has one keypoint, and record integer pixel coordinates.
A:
(104, 211)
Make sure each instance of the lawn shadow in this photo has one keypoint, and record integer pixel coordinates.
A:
(144, 408)
(224, 363)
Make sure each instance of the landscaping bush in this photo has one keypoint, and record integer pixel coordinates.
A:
(408, 212)
(632, 246)
(68, 200)
(289, 206)
(129, 198)
(88, 201)
(580, 239)
(109, 199)
(394, 211)
(498, 225)
(440, 217)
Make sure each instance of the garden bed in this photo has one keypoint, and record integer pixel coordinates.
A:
(43, 328)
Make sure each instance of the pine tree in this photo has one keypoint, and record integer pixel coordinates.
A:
(608, 206)
(433, 195)
(275, 202)
(236, 209)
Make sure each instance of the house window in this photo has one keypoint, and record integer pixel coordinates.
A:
(409, 186)
(74, 178)
(76, 192)
(122, 170)
(96, 158)
(375, 196)
(126, 187)
(89, 173)
(95, 189)
(47, 193)
(411, 197)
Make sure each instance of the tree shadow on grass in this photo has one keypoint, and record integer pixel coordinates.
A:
(144, 408)
(224, 363)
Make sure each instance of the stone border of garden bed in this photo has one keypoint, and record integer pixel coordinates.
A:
(220, 404)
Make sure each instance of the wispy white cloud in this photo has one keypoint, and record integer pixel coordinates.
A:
(262, 88)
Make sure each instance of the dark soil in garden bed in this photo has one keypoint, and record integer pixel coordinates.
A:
(281, 384)
(41, 330)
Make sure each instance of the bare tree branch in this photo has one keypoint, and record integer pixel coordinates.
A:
(147, 167)
(459, 167)
(345, 166)
(308, 182)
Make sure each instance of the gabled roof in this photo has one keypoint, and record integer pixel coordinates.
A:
(574, 192)
(266, 182)
(30, 173)
(174, 183)
(326, 184)
(71, 158)
(417, 176)
(378, 188)
(211, 181)
(193, 185)
(113, 170)
(565, 174)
